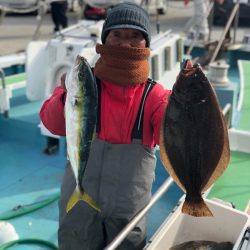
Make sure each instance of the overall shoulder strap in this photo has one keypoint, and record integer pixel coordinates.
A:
(98, 124)
(137, 131)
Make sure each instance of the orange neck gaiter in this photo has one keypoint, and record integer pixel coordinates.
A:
(122, 66)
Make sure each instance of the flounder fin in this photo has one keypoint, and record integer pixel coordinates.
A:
(223, 162)
(77, 196)
(195, 209)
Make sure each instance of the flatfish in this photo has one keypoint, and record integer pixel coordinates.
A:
(203, 245)
(194, 145)
(81, 117)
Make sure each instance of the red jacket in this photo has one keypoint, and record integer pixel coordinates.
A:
(119, 108)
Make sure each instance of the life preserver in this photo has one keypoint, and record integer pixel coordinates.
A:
(54, 75)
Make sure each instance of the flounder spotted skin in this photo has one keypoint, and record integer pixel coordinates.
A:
(203, 245)
(194, 145)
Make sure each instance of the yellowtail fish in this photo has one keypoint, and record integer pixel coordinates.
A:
(194, 145)
(81, 117)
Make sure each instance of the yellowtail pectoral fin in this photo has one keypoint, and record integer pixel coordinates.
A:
(77, 196)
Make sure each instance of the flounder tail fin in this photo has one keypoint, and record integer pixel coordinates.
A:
(77, 196)
(196, 209)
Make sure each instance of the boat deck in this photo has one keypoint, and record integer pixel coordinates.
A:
(30, 179)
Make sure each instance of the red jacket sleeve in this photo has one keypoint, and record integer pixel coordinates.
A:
(52, 112)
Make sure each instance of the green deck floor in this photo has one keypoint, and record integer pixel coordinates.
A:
(234, 185)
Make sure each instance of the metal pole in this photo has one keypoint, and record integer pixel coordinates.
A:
(236, 22)
(2, 14)
(227, 112)
(123, 234)
(2, 76)
(236, 6)
(40, 17)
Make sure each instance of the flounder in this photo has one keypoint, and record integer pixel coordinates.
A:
(194, 146)
(203, 245)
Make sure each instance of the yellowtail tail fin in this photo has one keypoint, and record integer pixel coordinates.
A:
(77, 196)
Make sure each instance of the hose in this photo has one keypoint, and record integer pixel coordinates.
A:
(28, 241)
(25, 209)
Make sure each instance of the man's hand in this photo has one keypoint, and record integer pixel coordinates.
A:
(189, 64)
(220, 1)
(62, 83)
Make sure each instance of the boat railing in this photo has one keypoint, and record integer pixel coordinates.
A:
(127, 229)
(40, 8)
(228, 112)
(2, 76)
(160, 36)
(3, 93)
(158, 194)
(6, 9)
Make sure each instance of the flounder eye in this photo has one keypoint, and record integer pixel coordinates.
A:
(197, 65)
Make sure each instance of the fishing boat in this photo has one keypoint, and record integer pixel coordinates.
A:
(33, 159)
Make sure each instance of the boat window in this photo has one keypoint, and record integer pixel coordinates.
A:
(155, 67)
(167, 58)
(179, 50)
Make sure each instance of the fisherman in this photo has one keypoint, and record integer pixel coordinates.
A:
(121, 165)
(197, 25)
(59, 14)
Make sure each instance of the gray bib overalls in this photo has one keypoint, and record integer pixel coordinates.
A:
(119, 178)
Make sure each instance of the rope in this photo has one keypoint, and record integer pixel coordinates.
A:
(40, 17)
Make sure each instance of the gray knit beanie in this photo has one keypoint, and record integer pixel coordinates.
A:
(127, 15)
